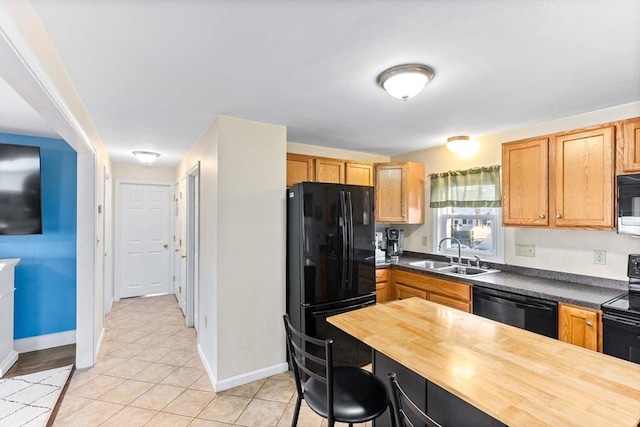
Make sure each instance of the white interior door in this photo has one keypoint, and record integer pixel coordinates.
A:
(180, 254)
(144, 239)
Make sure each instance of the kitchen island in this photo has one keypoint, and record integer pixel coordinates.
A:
(516, 377)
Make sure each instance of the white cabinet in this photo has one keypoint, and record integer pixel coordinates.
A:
(8, 355)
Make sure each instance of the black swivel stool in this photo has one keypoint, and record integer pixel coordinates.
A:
(345, 394)
(400, 400)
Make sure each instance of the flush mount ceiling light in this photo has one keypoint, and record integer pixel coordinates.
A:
(146, 157)
(405, 81)
(461, 144)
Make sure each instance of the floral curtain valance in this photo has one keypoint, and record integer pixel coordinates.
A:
(471, 188)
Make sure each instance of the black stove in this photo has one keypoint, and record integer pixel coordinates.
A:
(621, 318)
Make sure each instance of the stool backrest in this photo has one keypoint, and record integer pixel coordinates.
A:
(301, 359)
(400, 401)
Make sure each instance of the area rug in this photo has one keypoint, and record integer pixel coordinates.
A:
(29, 400)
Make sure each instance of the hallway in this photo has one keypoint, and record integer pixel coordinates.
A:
(149, 373)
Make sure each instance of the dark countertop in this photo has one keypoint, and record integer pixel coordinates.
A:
(584, 291)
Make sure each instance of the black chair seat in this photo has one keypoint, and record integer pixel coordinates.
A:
(359, 396)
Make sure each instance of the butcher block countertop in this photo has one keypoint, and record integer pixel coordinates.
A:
(517, 377)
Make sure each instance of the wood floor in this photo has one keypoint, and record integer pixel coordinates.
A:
(41, 360)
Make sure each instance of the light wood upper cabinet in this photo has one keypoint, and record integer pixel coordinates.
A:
(524, 182)
(358, 173)
(329, 170)
(561, 180)
(400, 192)
(628, 159)
(580, 326)
(583, 167)
(300, 168)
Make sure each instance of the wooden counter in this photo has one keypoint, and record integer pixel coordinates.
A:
(517, 377)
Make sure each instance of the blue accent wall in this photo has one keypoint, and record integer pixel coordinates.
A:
(45, 297)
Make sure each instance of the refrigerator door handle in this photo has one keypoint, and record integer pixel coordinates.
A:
(343, 234)
(350, 248)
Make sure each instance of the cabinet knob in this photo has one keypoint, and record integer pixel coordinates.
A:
(589, 324)
(558, 216)
(542, 216)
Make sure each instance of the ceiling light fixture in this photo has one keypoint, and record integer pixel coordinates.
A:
(405, 81)
(146, 157)
(462, 145)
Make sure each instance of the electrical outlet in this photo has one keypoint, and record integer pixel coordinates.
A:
(424, 240)
(599, 257)
(526, 250)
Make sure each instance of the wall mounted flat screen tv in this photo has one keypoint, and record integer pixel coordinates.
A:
(20, 198)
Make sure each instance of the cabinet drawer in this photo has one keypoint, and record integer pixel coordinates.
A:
(382, 275)
(443, 287)
(404, 292)
(450, 302)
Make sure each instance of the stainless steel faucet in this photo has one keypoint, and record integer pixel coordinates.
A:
(459, 247)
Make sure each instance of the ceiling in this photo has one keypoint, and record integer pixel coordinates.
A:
(153, 75)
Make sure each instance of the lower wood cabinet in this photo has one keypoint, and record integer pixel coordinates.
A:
(580, 326)
(382, 285)
(446, 292)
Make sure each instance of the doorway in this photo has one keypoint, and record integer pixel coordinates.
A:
(143, 230)
(192, 246)
(107, 236)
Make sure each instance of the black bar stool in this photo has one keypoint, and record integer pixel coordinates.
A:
(345, 394)
(399, 400)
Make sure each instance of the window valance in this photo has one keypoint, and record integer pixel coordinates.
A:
(472, 188)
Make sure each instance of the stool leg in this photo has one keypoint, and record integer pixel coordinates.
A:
(296, 411)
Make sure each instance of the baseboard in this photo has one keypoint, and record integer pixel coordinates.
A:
(99, 343)
(250, 376)
(8, 362)
(40, 342)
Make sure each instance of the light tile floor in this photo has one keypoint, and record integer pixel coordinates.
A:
(149, 373)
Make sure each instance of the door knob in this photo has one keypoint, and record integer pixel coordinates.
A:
(183, 256)
(542, 217)
(165, 245)
(589, 323)
(558, 216)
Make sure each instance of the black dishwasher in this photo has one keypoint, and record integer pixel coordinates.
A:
(528, 313)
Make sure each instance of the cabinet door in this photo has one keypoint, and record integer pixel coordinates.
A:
(524, 183)
(630, 146)
(391, 204)
(583, 175)
(330, 170)
(359, 173)
(299, 169)
(407, 292)
(382, 292)
(579, 326)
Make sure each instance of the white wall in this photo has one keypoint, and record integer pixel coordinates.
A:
(242, 248)
(140, 172)
(568, 251)
(334, 153)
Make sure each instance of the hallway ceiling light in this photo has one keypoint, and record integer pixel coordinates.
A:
(405, 81)
(462, 144)
(146, 157)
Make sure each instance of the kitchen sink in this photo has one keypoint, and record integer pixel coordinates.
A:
(463, 270)
(451, 269)
(432, 265)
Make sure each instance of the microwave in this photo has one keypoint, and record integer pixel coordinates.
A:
(629, 204)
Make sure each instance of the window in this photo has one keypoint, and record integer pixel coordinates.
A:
(467, 207)
(479, 231)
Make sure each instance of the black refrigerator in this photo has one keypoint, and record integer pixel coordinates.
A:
(330, 261)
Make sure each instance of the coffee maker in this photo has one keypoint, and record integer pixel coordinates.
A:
(395, 242)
